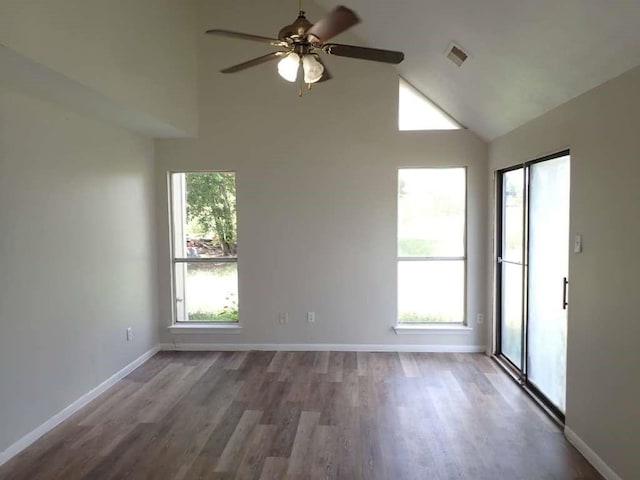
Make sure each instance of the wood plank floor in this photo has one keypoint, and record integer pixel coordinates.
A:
(307, 415)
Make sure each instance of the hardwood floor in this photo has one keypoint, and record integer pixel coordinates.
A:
(307, 415)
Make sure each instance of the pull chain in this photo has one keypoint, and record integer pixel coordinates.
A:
(301, 81)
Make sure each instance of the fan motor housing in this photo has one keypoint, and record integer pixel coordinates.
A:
(297, 29)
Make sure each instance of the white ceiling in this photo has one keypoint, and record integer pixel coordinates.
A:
(526, 57)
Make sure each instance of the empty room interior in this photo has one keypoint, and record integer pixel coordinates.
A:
(301, 239)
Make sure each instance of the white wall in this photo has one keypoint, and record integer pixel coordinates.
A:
(601, 129)
(141, 54)
(316, 181)
(77, 257)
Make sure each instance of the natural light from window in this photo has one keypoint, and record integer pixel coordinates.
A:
(431, 245)
(417, 112)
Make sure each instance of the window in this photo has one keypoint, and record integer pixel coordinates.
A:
(205, 259)
(417, 112)
(431, 245)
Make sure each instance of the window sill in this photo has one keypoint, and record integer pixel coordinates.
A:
(213, 329)
(431, 329)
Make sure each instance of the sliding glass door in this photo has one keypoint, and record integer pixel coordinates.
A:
(532, 266)
(511, 265)
(548, 267)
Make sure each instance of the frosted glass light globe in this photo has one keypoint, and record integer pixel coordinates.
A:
(288, 67)
(313, 69)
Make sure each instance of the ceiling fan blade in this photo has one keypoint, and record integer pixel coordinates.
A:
(247, 36)
(364, 53)
(256, 61)
(339, 20)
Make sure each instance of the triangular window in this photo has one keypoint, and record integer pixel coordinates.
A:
(417, 112)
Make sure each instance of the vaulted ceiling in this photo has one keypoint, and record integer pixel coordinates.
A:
(525, 57)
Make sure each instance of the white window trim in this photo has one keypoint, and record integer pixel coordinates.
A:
(431, 329)
(213, 328)
(184, 326)
(417, 328)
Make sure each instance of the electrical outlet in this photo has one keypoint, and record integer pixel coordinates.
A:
(311, 317)
(129, 334)
(480, 318)
(283, 318)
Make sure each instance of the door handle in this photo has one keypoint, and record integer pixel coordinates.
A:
(565, 283)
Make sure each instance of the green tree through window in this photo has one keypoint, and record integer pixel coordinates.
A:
(211, 202)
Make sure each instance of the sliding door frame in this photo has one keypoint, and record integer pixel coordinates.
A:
(499, 235)
(519, 374)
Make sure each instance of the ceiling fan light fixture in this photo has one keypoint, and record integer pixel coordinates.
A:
(313, 69)
(302, 42)
(288, 67)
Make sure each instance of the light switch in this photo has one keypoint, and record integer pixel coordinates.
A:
(577, 244)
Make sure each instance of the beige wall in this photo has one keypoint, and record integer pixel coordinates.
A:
(77, 257)
(601, 129)
(316, 180)
(317, 213)
(140, 54)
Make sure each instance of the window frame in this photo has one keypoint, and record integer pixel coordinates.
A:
(186, 325)
(443, 327)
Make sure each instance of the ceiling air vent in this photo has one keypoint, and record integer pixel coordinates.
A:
(456, 54)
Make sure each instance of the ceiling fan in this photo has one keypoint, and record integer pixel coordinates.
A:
(301, 43)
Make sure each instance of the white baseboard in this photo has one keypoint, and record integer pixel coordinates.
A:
(61, 416)
(605, 470)
(319, 347)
